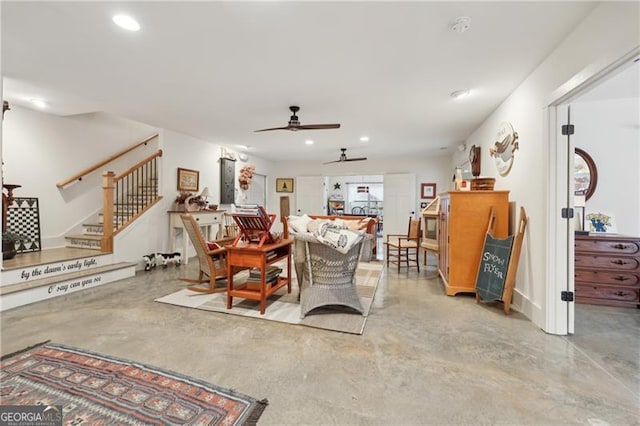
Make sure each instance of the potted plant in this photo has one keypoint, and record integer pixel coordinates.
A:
(9, 240)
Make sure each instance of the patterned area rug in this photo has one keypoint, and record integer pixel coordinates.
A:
(96, 389)
(283, 307)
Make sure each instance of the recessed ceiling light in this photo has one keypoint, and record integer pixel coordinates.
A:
(364, 139)
(126, 22)
(309, 142)
(458, 94)
(460, 24)
(38, 102)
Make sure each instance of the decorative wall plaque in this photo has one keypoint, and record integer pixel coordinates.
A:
(503, 150)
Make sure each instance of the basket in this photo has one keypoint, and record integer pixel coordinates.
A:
(482, 184)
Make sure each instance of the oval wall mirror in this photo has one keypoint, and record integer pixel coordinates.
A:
(585, 174)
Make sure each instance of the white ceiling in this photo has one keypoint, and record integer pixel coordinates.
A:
(219, 70)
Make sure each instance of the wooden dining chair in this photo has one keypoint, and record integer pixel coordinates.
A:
(404, 249)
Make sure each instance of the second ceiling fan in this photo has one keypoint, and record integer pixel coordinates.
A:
(343, 158)
(294, 124)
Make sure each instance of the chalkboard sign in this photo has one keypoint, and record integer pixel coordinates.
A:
(494, 264)
(499, 263)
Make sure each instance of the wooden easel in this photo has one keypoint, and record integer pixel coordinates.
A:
(254, 228)
(514, 257)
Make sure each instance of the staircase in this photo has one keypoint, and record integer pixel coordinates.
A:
(93, 231)
(87, 261)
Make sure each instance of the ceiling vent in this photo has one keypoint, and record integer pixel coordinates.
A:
(460, 24)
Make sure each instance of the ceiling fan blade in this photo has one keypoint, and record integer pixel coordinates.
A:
(337, 161)
(356, 159)
(318, 126)
(274, 128)
(294, 123)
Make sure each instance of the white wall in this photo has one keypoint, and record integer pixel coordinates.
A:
(150, 233)
(427, 170)
(609, 131)
(608, 33)
(41, 149)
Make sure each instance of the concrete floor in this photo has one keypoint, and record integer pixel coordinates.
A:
(424, 357)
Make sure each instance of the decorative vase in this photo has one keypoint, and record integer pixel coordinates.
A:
(8, 250)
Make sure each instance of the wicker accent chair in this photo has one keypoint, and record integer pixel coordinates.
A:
(404, 249)
(325, 276)
(213, 263)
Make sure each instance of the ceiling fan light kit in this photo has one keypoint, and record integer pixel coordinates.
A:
(343, 158)
(294, 123)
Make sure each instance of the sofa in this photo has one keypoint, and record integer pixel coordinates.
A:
(361, 223)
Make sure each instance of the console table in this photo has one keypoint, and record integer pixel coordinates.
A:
(254, 256)
(205, 219)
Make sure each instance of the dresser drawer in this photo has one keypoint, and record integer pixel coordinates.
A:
(622, 294)
(618, 278)
(606, 262)
(607, 246)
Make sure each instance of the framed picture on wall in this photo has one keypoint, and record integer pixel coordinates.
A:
(284, 184)
(188, 180)
(427, 191)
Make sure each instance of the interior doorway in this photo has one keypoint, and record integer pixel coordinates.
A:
(357, 195)
(604, 112)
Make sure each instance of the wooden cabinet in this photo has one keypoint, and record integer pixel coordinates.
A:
(607, 270)
(464, 217)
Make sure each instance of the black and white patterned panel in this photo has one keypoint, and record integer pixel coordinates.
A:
(23, 218)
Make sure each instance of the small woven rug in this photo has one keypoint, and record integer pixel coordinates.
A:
(95, 389)
(283, 307)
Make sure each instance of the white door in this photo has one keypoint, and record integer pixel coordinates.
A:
(309, 195)
(399, 202)
(568, 141)
(257, 190)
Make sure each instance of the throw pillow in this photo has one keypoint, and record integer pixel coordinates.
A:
(212, 245)
(314, 225)
(364, 223)
(299, 223)
(339, 238)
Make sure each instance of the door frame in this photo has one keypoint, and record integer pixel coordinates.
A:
(558, 315)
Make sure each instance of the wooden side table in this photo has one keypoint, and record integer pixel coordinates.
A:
(254, 256)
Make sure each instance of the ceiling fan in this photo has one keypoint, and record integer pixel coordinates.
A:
(343, 158)
(295, 125)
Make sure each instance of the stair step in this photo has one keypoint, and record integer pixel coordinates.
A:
(92, 228)
(23, 293)
(84, 241)
(117, 218)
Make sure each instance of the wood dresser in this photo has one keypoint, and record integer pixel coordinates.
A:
(464, 217)
(607, 270)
